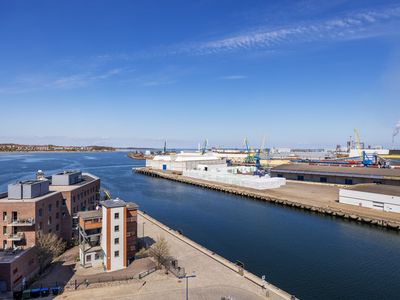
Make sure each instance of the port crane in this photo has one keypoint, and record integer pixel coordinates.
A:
(165, 147)
(204, 148)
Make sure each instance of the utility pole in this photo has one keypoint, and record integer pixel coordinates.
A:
(187, 283)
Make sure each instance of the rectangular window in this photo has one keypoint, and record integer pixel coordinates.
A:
(14, 216)
(279, 175)
(49, 207)
(96, 256)
(57, 227)
(89, 258)
(4, 229)
(116, 241)
(116, 253)
(73, 199)
(323, 179)
(57, 215)
(348, 181)
(300, 177)
(40, 213)
(64, 201)
(116, 228)
(116, 216)
(4, 216)
(57, 203)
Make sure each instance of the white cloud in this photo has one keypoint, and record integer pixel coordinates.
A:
(233, 77)
(352, 26)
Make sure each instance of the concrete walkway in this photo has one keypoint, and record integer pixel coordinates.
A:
(216, 277)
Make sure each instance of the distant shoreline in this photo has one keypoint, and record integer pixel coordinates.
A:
(25, 152)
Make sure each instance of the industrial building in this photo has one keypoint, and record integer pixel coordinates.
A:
(33, 207)
(108, 236)
(186, 161)
(337, 174)
(376, 196)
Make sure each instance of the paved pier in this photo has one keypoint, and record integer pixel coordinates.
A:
(216, 277)
(319, 198)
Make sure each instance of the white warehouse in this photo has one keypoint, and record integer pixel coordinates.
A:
(186, 161)
(376, 196)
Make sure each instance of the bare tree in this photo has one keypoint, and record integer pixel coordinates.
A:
(159, 250)
(49, 246)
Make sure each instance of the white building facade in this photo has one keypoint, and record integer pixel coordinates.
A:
(186, 161)
(381, 197)
(114, 234)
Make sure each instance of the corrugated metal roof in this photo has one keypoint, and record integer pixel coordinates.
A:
(338, 171)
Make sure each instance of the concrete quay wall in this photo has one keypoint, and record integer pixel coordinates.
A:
(272, 292)
(258, 195)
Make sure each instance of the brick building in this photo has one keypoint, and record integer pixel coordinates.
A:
(109, 235)
(32, 207)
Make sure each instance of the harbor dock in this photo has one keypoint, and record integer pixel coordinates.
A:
(214, 277)
(313, 197)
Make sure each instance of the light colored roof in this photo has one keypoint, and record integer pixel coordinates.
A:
(49, 194)
(86, 179)
(113, 203)
(90, 214)
(190, 156)
(383, 189)
(338, 171)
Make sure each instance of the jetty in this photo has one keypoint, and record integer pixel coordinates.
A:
(314, 197)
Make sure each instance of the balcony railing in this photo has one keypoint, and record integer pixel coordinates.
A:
(22, 222)
(19, 236)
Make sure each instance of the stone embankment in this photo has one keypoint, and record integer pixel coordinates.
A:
(341, 211)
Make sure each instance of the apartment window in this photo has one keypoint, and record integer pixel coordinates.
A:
(4, 216)
(116, 228)
(89, 258)
(49, 221)
(49, 207)
(40, 212)
(57, 215)
(57, 227)
(116, 216)
(96, 256)
(64, 202)
(116, 253)
(14, 216)
(40, 226)
(64, 214)
(280, 175)
(323, 179)
(300, 177)
(116, 241)
(348, 181)
(15, 270)
(57, 203)
(4, 229)
(73, 199)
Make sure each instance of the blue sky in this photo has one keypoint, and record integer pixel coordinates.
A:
(133, 73)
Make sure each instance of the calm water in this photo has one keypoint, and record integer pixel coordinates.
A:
(311, 256)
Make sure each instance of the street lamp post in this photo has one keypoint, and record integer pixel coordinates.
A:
(187, 283)
(144, 240)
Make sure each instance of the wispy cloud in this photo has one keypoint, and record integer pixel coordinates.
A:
(354, 25)
(233, 77)
(33, 82)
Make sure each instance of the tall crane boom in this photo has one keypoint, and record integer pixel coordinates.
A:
(357, 139)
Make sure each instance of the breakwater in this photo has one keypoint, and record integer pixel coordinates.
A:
(341, 212)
